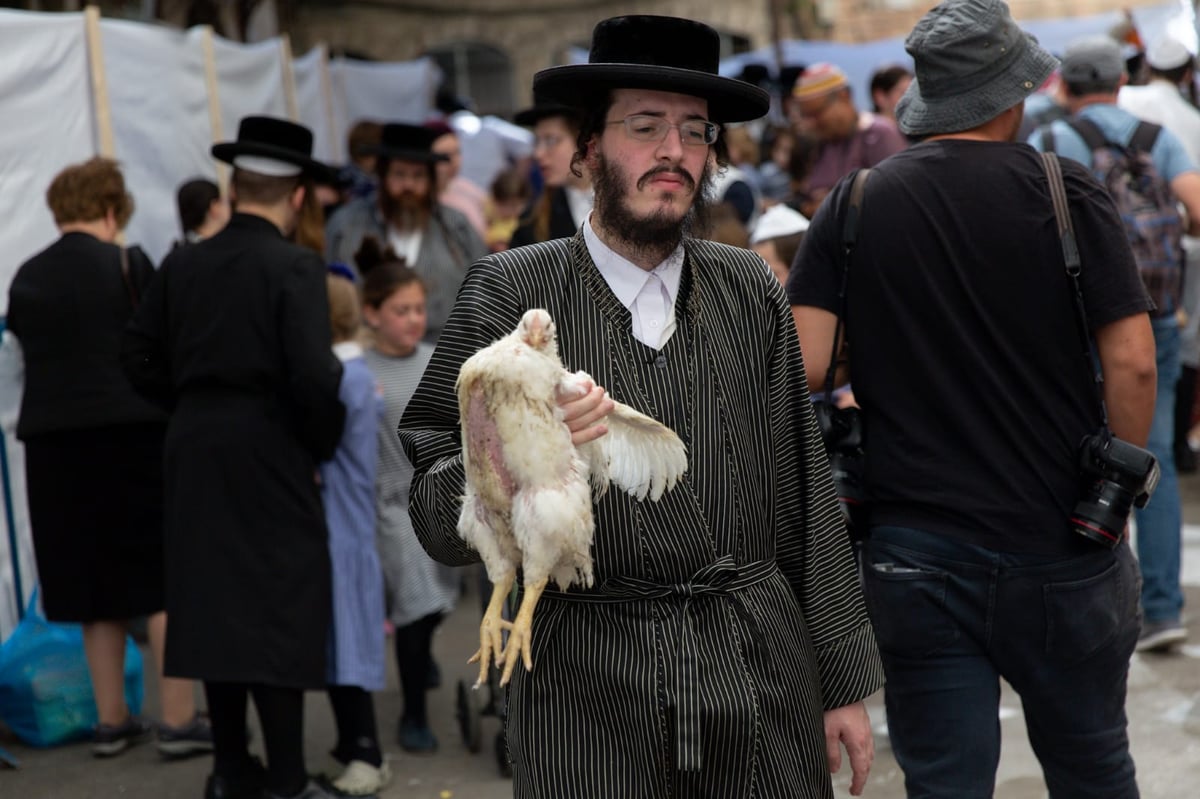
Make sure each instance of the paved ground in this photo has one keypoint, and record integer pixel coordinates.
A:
(1163, 707)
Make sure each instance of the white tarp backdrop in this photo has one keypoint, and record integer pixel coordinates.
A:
(159, 113)
(159, 110)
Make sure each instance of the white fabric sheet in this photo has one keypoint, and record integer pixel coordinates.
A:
(386, 92)
(316, 111)
(161, 128)
(46, 100)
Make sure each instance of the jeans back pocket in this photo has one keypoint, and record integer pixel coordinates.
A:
(907, 606)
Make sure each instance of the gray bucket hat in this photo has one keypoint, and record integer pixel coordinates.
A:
(972, 63)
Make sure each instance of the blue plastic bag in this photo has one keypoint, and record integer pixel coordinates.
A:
(45, 690)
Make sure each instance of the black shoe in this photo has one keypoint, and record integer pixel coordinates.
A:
(248, 785)
(193, 738)
(311, 791)
(1185, 459)
(113, 739)
(417, 739)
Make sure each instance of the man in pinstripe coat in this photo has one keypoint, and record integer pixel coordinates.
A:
(725, 651)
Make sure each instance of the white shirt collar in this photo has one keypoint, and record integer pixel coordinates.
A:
(625, 278)
(579, 201)
(347, 350)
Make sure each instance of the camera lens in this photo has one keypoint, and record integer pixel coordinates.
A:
(1102, 512)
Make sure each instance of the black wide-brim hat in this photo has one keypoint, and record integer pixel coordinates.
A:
(540, 110)
(409, 143)
(280, 139)
(665, 54)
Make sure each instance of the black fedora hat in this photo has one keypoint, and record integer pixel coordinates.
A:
(409, 143)
(276, 139)
(542, 109)
(661, 53)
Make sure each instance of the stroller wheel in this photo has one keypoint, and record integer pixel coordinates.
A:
(467, 711)
(502, 755)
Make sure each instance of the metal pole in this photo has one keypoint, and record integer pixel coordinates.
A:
(10, 518)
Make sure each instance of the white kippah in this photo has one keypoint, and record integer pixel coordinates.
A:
(262, 165)
(777, 221)
(1167, 53)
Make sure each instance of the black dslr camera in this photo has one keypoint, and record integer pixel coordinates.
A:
(1118, 476)
(842, 434)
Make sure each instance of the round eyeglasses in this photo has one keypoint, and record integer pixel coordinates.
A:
(643, 127)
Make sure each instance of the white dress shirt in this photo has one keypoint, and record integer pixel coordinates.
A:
(406, 245)
(580, 203)
(649, 295)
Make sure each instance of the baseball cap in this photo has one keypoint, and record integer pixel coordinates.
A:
(1093, 59)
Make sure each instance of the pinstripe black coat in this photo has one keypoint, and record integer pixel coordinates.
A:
(727, 616)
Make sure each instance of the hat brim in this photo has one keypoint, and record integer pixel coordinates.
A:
(227, 151)
(918, 116)
(729, 100)
(531, 116)
(407, 154)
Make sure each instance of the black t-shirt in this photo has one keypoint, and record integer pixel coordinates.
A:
(965, 355)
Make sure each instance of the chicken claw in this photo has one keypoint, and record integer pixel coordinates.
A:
(520, 634)
(491, 630)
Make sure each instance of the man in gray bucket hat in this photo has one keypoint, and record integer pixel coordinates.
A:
(965, 356)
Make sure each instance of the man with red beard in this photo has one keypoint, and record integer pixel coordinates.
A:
(726, 626)
(437, 241)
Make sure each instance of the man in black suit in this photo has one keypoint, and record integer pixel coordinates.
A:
(233, 337)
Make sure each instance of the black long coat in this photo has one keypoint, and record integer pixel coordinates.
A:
(233, 337)
(727, 616)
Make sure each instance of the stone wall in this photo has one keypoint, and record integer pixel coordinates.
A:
(533, 33)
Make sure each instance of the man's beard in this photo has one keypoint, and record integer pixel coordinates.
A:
(655, 236)
(407, 211)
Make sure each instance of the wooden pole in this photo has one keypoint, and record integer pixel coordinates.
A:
(289, 78)
(212, 87)
(104, 131)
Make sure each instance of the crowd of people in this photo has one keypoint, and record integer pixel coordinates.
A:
(257, 444)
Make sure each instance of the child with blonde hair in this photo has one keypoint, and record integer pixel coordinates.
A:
(356, 640)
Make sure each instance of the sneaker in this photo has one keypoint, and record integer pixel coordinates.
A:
(417, 738)
(193, 738)
(362, 779)
(1161, 636)
(113, 739)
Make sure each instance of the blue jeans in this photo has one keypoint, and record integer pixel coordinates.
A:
(952, 619)
(1160, 523)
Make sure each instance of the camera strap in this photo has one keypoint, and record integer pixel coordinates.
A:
(853, 220)
(1066, 235)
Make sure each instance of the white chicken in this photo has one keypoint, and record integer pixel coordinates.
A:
(528, 496)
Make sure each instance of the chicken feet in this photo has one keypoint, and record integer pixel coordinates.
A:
(491, 629)
(520, 635)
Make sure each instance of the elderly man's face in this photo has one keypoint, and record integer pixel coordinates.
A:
(407, 180)
(830, 117)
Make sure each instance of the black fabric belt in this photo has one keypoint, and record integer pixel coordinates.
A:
(721, 578)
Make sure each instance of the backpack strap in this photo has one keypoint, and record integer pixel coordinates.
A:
(1144, 137)
(1047, 132)
(1091, 134)
(1142, 141)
